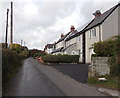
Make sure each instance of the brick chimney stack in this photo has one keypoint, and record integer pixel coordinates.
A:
(72, 28)
(62, 35)
(97, 13)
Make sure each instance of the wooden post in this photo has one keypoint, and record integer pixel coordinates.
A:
(6, 29)
(11, 29)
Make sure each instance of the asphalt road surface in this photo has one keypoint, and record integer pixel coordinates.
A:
(78, 72)
(35, 79)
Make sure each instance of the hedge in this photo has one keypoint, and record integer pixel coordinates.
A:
(11, 61)
(61, 58)
(110, 48)
(114, 63)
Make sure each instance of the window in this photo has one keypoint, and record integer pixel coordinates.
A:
(65, 44)
(90, 34)
(78, 39)
(93, 33)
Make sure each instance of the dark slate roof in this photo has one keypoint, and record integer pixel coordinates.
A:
(97, 21)
(76, 33)
(57, 50)
(67, 47)
(49, 45)
(61, 39)
(72, 34)
(100, 19)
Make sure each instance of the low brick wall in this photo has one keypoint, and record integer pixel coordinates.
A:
(99, 66)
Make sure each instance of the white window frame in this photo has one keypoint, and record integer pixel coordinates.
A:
(92, 33)
(78, 38)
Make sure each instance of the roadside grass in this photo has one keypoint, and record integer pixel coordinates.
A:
(111, 83)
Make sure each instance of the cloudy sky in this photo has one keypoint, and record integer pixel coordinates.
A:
(39, 22)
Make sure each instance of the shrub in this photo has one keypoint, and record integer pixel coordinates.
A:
(11, 61)
(35, 52)
(61, 58)
(114, 65)
(108, 48)
(16, 47)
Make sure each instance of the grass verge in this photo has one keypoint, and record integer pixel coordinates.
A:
(111, 83)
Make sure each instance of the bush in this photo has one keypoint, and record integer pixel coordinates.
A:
(114, 65)
(35, 52)
(108, 48)
(11, 61)
(16, 47)
(61, 58)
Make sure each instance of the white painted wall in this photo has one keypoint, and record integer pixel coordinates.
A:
(79, 46)
(73, 40)
(73, 49)
(110, 25)
(90, 42)
(108, 28)
(49, 50)
(60, 44)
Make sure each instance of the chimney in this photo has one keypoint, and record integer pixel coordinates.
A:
(72, 28)
(97, 13)
(62, 35)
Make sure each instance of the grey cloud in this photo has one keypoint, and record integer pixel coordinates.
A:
(52, 19)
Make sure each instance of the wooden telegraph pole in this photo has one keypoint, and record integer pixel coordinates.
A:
(6, 29)
(11, 27)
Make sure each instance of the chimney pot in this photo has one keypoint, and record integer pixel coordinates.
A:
(97, 13)
(62, 35)
(72, 28)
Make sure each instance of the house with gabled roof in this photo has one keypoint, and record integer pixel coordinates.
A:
(80, 41)
(103, 26)
(71, 44)
(60, 44)
(74, 43)
(49, 48)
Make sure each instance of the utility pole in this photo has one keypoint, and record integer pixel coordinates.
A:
(24, 43)
(6, 29)
(11, 28)
(21, 42)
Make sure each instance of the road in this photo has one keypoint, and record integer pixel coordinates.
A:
(35, 79)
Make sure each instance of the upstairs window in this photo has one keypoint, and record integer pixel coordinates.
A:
(78, 38)
(93, 33)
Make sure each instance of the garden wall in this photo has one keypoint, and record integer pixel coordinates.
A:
(99, 66)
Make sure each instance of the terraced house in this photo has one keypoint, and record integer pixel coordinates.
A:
(60, 44)
(100, 28)
(49, 48)
(103, 26)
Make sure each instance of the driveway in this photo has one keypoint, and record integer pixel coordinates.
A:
(78, 72)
